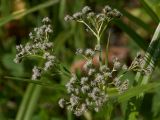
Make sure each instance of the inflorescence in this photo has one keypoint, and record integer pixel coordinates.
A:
(90, 90)
(39, 47)
(87, 13)
(95, 22)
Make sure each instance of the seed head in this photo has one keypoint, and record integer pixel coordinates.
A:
(86, 10)
(106, 9)
(91, 71)
(116, 13)
(123, 87)
(36, 73)
(124, 67)
(97, 48)
(88, 65)
(101, 17)
(17, 60)
(90, 15)
(62, 103)
(74, 100)
(104, 68)
(85, 89)
(79, 51)
(46, 20)
(68, 18)
(77, 15)
(89, 53)
(84, 80)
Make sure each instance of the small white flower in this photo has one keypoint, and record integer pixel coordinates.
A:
(46, 20)
(74, 100)
(36, 73)
(62, 103)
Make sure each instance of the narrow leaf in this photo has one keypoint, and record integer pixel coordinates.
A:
(29, 81)
(137, 21)
(150, 11)
(6, 19)
(137, 38)
(135, 91)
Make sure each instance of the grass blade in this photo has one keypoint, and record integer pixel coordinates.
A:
(38, 82)
(137, 38)
(62, 9)
(24, 103)
(150, 11)
(151, 58)
(137, 21)
(6, 19)
(136, 91)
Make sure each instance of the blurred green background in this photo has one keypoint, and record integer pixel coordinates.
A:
(132, 33)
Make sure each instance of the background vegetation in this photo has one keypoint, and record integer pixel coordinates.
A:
(129, 35)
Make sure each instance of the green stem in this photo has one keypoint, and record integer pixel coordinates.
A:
(100, 52)
(94, 33)
(107, 49)
(29, 102)
(100, 28)
(109, 109)
(33, 102)
(104, 28)
(69, 115)
(24, 102)
(38, 82)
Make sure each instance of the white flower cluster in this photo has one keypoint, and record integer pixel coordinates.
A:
(90, 90)
(87, 14)
(121, 86)
(138, 65)
(38, 47)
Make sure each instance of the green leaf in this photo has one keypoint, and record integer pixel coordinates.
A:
(135, 91)
(137, 38)
(62, 9)
(66, 70)
(150, 12)
(20, 13)
(5, 7)
(16, 69)
(151, 57)
(38, 82)
(29, 81)
(137, 21)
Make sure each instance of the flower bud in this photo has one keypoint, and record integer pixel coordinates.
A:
(86, 10)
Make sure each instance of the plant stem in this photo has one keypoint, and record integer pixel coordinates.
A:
(69, 115)
(100, 51)
(33, 102)
(29, 101)
(94, 33)
(107, 48)
(24, 102)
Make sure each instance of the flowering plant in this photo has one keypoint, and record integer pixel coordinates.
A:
(88, 91)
